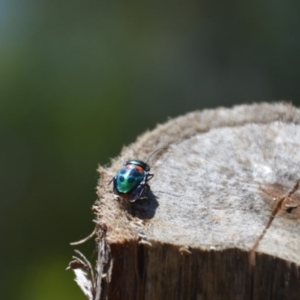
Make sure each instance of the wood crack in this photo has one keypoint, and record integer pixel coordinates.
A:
(273, 215)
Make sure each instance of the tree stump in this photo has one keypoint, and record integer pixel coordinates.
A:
(222, 218)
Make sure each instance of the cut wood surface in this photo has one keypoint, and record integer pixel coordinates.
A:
(222, 218)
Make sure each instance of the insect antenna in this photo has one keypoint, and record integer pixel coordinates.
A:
(159, 149)
(134, 152)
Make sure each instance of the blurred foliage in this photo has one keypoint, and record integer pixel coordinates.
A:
(79, 79)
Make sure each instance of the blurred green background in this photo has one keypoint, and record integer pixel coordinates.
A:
(79, 79)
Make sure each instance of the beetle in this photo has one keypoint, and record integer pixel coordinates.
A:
(131, 180)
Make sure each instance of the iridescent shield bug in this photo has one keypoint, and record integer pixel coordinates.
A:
(131, 180)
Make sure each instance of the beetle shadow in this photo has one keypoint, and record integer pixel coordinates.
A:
(145, 207)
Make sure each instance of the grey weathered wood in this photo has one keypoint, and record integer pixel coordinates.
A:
(222, 218)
